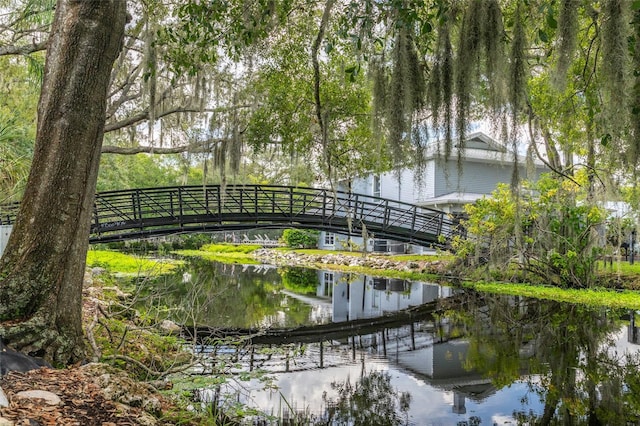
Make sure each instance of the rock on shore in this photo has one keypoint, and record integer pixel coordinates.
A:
(290, 258)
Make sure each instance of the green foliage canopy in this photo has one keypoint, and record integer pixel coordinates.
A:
(545, 231)
(300, 238)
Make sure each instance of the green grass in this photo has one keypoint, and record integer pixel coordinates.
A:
(623, 267)
(224, 253)
(230, 248)
(114, 261)
(419, 257)
(592, 297)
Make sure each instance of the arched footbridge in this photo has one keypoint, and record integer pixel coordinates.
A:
(142, 213)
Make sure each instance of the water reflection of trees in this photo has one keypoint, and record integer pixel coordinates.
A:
(566, 351)
(371, 400)
(298, 279)
(223, 295)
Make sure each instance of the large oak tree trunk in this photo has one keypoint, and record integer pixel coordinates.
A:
(41, 273)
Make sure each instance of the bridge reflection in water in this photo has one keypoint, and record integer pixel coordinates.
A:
(472, 357)
(386, 318)
(141, 213)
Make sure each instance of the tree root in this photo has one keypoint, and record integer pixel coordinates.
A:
(38, 337)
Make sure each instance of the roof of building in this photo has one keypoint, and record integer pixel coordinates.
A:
(480, 140)
(479, 146)
(452, 198)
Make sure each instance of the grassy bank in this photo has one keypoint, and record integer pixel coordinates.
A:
(224, 253)
(122, 263)
(628, 299)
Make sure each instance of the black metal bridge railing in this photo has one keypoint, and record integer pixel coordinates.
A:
(140, 213)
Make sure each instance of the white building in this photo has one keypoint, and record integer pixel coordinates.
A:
(444, 185)
(361, 296)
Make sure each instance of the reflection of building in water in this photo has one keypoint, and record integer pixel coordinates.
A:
(632, 330)
(444, 365)
(358, 296)
(459, 406)
(422, 348)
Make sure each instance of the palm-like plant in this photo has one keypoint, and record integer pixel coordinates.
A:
(16, 150)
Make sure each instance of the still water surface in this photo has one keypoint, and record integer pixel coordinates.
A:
(483, 359)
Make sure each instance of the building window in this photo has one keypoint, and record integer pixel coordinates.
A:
(328, 279)
(329, 239)
(376, 186)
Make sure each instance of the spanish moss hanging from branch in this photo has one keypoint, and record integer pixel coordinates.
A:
(634, 142)
(441, 88)
(406, 93)
(567, 31)
(467, 61)
(380, 84)
(517, 84)
(615, 65)
(150, 76)
(493, 41)
(479, 58)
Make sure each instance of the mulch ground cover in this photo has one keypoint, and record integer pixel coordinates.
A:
(83, 402)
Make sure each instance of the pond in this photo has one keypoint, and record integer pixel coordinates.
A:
(469, 359)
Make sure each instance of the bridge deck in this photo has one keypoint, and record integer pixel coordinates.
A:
(140, 213)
